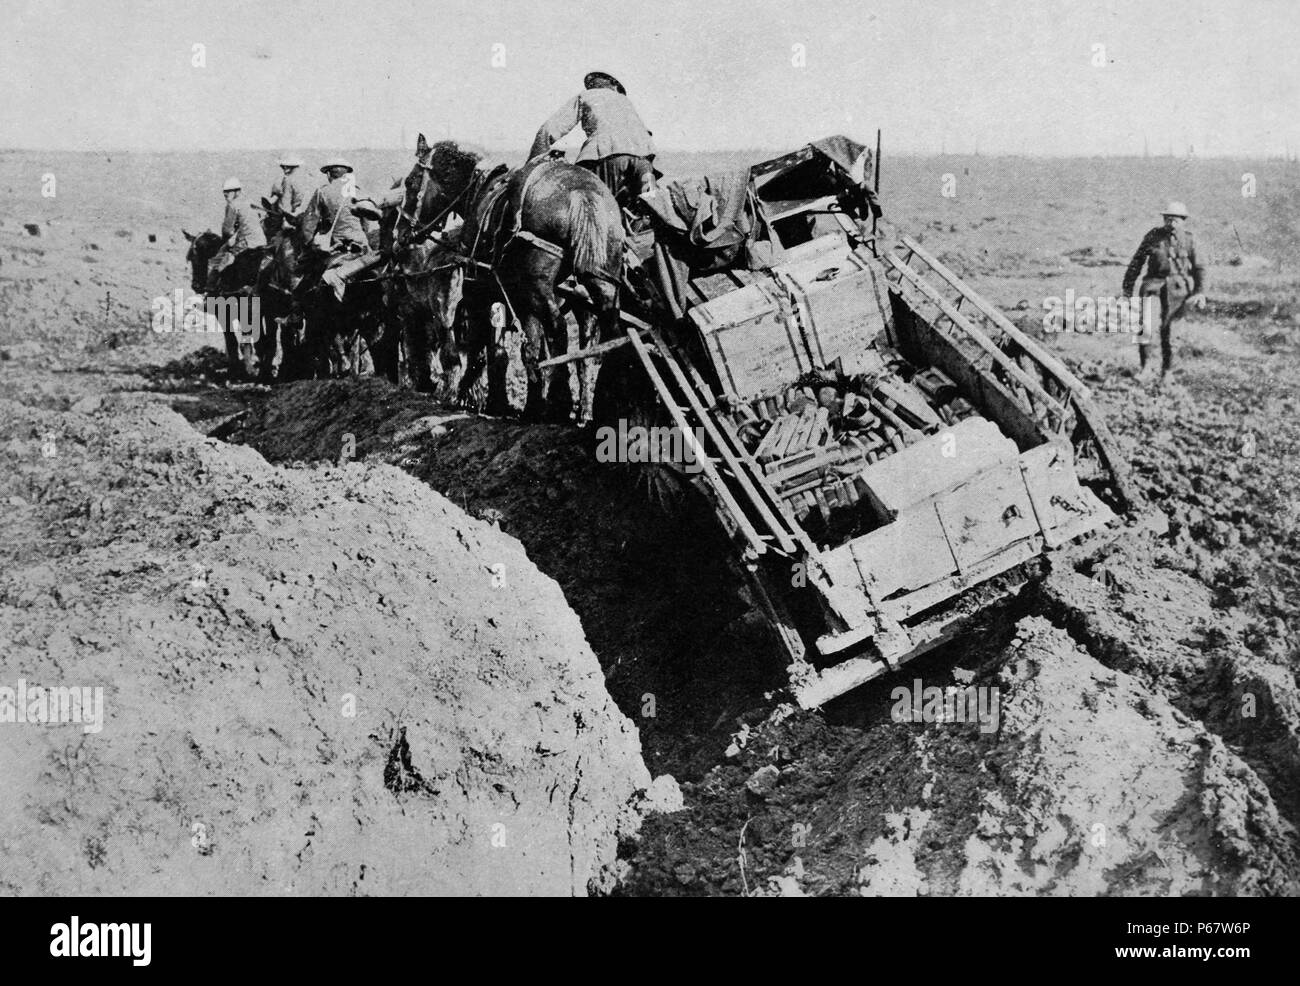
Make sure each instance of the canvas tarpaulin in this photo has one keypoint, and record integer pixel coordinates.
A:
(706, 224)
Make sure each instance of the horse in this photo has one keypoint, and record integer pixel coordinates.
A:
(237, 280)
(337, 327)
(279, 347)
(569, 225)
(424, 294)
(339, 330)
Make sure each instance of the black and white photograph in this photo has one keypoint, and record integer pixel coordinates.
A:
(757, 448)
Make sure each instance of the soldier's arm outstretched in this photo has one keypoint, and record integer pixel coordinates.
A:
(560, 124)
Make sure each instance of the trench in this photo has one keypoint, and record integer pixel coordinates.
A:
(684, 656)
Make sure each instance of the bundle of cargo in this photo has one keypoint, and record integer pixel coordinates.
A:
(813, 439)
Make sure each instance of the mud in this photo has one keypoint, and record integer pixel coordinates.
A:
(1148, 731)
(1090, 786)
(327, 680)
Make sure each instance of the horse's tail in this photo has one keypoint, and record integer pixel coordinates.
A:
(588, 232)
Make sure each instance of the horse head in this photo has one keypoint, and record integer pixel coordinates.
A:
(438, 181)
(202, 249)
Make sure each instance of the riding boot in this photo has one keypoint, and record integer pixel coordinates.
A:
(1146, 369)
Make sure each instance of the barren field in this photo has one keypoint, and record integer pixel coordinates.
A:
(455, 663)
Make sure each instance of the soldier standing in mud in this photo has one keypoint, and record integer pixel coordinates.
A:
(1174, 274)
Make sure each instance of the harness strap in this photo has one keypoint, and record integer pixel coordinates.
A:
(533, 240)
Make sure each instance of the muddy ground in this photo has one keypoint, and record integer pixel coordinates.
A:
(1148, 738)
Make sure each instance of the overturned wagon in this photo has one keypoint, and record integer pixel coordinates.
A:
(887, 450)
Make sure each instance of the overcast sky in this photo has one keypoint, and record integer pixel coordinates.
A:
(1018, 77)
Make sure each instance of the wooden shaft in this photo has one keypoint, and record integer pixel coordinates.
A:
(597, 350)
(729, 456)
(1058, 369)
(964, 325)
(710, 471)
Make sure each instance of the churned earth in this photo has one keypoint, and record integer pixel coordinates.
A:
(324, 680)
(1146, 735)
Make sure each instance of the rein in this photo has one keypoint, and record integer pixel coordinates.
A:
(423, 232)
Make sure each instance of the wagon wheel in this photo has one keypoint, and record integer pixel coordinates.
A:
(624, 393)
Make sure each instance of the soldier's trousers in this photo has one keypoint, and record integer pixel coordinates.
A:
(222, 259)
(627, 175)
(1173, 293)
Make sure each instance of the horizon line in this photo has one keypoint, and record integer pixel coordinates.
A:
(1287, 155)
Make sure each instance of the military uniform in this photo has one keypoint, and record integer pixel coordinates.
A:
(240, 228)
(1174, 272)
(319, 216)
(291, 195)
(618, 148)
(240, 231)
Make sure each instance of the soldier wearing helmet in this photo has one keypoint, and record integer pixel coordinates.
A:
(618, 148)
(329, 211)
(289, 194)
(1174, 274)
(240, 231)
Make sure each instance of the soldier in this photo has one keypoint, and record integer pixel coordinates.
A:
(240, 231)
(289, 195)
(618, 148)
(1174, 274)
(330, 212)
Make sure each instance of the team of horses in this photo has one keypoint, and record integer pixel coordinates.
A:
(457, 273)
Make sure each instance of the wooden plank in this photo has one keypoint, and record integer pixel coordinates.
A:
(908, 398)
(778, 617)
(979, 387)
(903, 607)
(764, 452)
(1030, 345)
(1082, 396)
(905, 431)
(809, 431)
(781, 163)
(775, 503)
(751, 340)
(633, 321)
(907, 554)
(843, 300)
(987, 514)
(776, 211)
(807, 461)
(816, 688)
(788, 444)
(588, 353)
(710, 471)
(976, 336)
(738, 468)
(917, 474)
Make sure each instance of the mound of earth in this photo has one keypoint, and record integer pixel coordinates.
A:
(1089, 785)
(682, 650)
(314, 681)
(1140, 612)
(1124, 768)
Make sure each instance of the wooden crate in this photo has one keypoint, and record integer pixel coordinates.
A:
(826, 302)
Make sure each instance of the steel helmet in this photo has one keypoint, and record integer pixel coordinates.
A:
(602, 80)
(1175, 209)
(232, 185)
(335, 162)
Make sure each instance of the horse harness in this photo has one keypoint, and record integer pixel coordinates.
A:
(496, 225)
